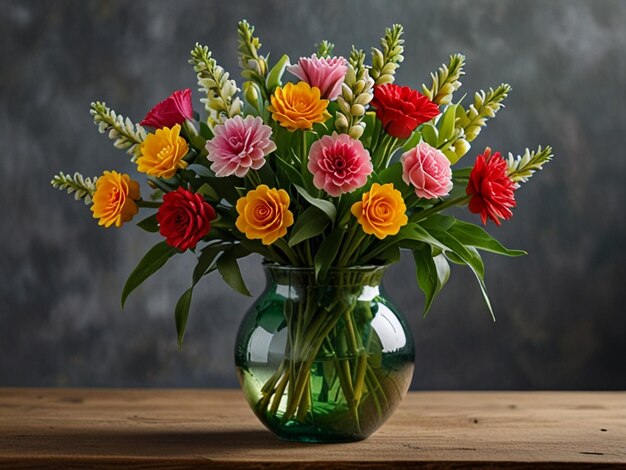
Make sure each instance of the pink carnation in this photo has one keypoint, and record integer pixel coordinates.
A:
(339, 164)
(324, 73)
(428, 170)
(173, 110)
(239, 145)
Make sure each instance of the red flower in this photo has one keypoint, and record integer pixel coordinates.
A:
(184, 218)
(490, 187)
(173, 110)
(402, 109)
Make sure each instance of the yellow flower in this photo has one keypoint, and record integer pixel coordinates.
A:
(381, 211)
(114, 199)
(298, 106)
(264, 214)
(162, 153)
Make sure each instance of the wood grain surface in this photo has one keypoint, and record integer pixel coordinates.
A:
(172, 429)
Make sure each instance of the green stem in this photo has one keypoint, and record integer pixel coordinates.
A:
(439, 207)
(281, 244)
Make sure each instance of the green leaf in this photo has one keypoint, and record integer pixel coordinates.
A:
(412, 141)
(473, 235)
(472, 259)
(446, 125)
(429, 134)
(205, 131)
(393, 174)
(389, 255)
(325, 206)
(149, 224)
(205, 260)
(225, 187)
(461, 173)
(415, 232)
(290, 171)
(153, 260)
(200, 170)
(327, 252)
(309, 224)
(181, 314)
(276, 73)
(432, 274)
(207, 190)
(229, 269)
(438, 222)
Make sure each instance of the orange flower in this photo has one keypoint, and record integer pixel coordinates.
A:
(114, 199)
(381, 211)
(162, 153)
(264, 214)
(298, 106)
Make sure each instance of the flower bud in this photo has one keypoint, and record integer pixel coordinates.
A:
(356, 131)
(357, 110)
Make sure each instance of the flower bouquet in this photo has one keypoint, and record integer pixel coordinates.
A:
(327, 169)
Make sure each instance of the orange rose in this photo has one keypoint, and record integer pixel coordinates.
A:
(381, 211)
(114, 199)
(264, 214)
(298, 106)
(162, 153)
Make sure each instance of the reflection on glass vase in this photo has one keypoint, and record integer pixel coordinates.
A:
(327, 361)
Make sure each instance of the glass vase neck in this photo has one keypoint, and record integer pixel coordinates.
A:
(370, 275)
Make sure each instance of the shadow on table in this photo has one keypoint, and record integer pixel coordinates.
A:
(152, 444)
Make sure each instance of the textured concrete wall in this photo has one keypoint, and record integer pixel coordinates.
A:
(560, 310)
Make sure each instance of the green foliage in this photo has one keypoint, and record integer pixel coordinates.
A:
(181, 314)
(385, 62)
(310, 223)
(327, 252)
(325, 48)
(83, 188)
(221, 101)
(153, 260)
(520, 169)
(323, 205)
(446, 80)
(149, 224)
(433, 273)
(121, 130)
(274, 78)
(229, 269)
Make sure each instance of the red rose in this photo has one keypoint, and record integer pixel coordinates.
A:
(173, 110)
(184, 218)
(402, 109)
(491, 189)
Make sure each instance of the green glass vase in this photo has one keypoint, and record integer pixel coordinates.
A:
(325, 361)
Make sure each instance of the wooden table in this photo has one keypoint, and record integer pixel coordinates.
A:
(73, 428)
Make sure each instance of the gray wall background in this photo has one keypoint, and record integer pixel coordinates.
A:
(561, 322)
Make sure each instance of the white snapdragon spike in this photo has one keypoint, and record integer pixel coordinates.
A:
(221, 102)
(385, 62)
(522, 167)
(356, 94)
(446, 80)
(83, 188)
(486, 105)
(125, 134)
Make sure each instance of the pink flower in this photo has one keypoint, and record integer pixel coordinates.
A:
(428, 170)
(239, 145)
(173, 110)
(324, 73)
(339, 164)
